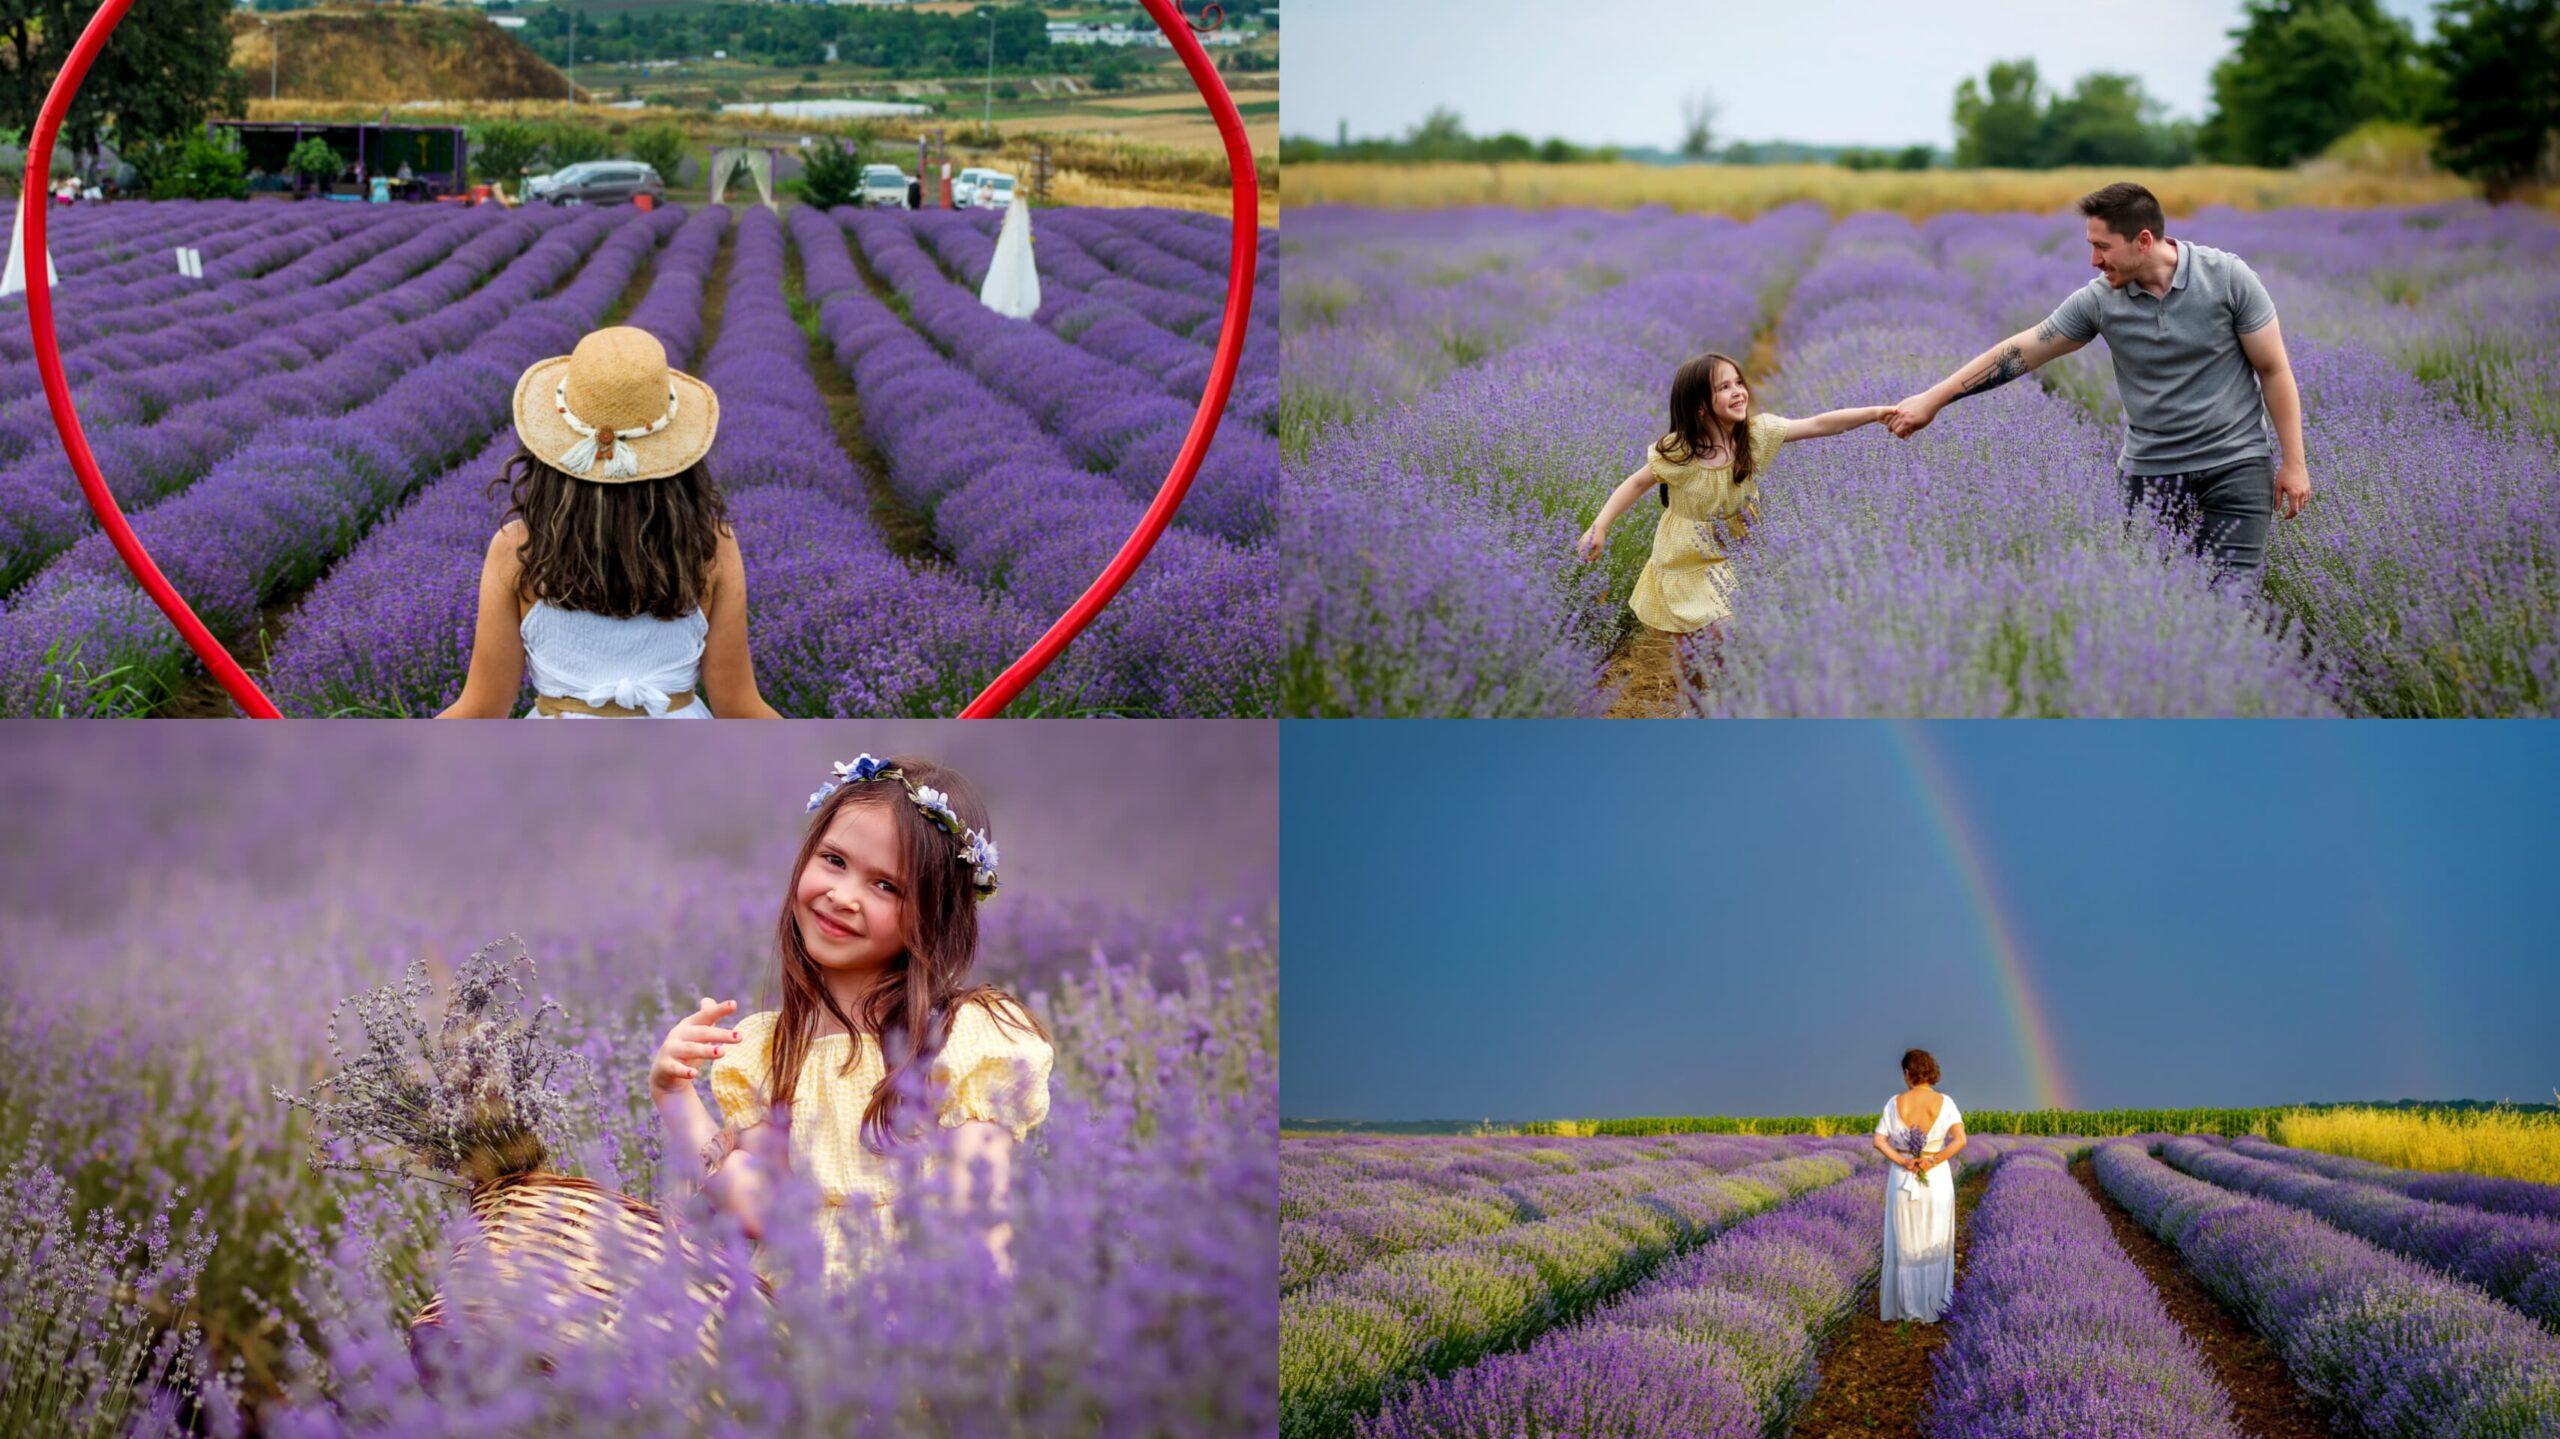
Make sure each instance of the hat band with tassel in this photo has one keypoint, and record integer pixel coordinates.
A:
(612, 445)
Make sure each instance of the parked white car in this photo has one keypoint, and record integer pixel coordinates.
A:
(964, 186)
(883, 187)
(993, 192)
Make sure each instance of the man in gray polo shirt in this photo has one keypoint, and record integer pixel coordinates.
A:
(2200, 366)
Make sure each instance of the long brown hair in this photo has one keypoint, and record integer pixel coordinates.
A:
(1693, 420)
(919, 990)
(644, 547)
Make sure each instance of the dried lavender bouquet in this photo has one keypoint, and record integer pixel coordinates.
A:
(471, 1097)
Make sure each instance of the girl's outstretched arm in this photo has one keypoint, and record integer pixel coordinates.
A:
(1629, 490)
(497, 637)
(1834, 422)
(728, 671)
(735, 1182)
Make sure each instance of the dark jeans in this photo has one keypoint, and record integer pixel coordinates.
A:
(2223, 511)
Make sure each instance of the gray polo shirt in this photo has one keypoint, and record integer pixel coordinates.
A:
(2191, 397)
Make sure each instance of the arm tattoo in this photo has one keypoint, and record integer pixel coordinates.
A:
(2008, 365)
(2048, 332)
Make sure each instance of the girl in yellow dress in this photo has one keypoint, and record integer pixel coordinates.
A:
(1708, 466)
(875, 942)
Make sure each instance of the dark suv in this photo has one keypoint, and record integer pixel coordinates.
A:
(598, 182)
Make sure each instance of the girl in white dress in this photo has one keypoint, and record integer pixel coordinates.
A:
(1918, 1132)
(616, 580)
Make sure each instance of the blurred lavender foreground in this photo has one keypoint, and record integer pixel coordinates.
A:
(180, 912)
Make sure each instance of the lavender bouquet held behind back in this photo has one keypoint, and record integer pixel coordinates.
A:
(468, 1101)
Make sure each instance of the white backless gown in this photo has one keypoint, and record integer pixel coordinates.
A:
(1919, 1223)
(637, 662)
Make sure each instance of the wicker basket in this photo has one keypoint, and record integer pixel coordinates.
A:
(554, 1229)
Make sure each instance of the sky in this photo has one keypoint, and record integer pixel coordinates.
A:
(1528, 920)
(1827, 72)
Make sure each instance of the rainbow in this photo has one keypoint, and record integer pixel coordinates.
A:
(1965, 852)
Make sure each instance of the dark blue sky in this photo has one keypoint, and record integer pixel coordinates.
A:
(1522, 919)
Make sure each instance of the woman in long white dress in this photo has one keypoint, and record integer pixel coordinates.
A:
(1918, 1132)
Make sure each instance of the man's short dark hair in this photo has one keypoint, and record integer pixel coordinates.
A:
(2127, 208)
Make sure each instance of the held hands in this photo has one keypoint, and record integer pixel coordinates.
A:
(1910, 417)
(698, 1036)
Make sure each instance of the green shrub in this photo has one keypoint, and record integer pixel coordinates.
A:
(193, 169)
(313, 160)
(501, 149)
(831, 178)
(660, 147)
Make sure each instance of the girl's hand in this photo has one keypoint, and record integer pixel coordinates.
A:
(698, 1036)
(1593, 540)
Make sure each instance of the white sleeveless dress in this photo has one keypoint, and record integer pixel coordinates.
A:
(635, 662)
(1919, 1271)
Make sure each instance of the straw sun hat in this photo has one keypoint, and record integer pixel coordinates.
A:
(612, 410)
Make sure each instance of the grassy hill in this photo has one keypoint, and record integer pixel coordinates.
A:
(386, 56)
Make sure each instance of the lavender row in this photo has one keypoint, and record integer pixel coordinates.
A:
(1189, 635)
(1365, 1221)
(1088, 306)
(82, 638)
(2475, 1191)
(1982, 568)
(129, 379)
(2395, 1348)
(1718, 1344)
(144, 295)
(1099, 411)
(1429, 547)
(836, 622)
(388, 632)
(967, 390)
(1345, 1340)
(2514, 1256)
(2055, 1331)
(1382, 304)
(342, 347)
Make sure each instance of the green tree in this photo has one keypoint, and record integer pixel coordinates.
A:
(565, 144)
(314, 161)
(660, 147)
(1916, 157)
(2498, 116)
(166, 68)
(500, 149)
(830, 176)
(2001, 122)
(2304, 72)
(2108, 120)
(1697, 125)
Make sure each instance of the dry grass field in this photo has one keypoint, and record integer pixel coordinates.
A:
(1749, 190)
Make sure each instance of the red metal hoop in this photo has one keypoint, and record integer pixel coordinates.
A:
(1124, 563)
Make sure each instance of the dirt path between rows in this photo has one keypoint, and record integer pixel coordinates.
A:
(1874, 1376)
(909, 533)
(2268, 1403)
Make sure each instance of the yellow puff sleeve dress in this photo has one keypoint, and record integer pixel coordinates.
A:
(990, 1068)
(1685, 585)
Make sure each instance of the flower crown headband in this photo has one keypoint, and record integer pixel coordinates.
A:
(976, 850)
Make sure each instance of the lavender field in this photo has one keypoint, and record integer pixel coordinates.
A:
(1723, 1285)
(1461, 388)
(304, 438)
(153, 1006)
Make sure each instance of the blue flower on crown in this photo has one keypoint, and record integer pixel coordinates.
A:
(976, 850)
